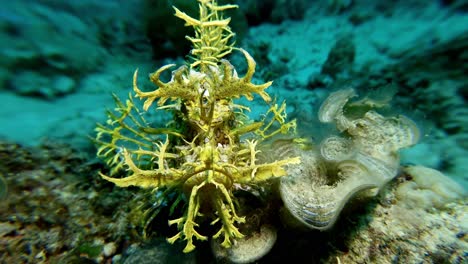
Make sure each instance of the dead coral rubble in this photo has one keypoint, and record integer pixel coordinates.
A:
(51, 212)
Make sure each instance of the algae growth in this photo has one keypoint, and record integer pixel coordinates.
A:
(3, 187)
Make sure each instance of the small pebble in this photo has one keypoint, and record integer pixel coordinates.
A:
(109, 249)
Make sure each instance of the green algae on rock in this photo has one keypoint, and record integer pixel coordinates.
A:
(3, 187)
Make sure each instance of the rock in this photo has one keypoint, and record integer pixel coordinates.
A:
(46, 47)
(340, 58)
(36, 84)
(157, 251)
(109, 249)
(248, 249)
(428, 188)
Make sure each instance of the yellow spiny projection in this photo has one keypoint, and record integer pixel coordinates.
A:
(212, 33)
(210, 148)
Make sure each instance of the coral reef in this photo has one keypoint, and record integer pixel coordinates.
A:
(348, 201)
(434, 90)
(361, 160)
(210, 149)
(68, 218)
(407, 232)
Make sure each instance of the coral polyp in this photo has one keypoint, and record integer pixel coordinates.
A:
(210, 148)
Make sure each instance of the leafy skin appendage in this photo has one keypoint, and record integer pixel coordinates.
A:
(212, 149)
